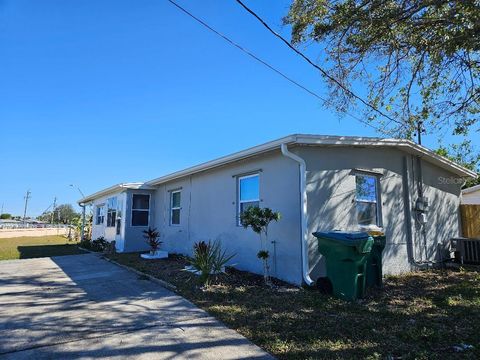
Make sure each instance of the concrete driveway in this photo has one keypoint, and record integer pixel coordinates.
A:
(81, 306)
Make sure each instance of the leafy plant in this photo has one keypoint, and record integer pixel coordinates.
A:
(259, 220)
(152, 235)
(99, 244)
(209, 258)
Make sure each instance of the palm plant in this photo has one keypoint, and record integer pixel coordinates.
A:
(152, 235)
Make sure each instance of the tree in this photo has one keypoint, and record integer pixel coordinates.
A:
(463, 154)
(5, 216)
(259, 219)
(63, 214)
(419, 61)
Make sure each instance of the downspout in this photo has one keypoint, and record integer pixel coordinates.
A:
(83, 222)
(303, 211)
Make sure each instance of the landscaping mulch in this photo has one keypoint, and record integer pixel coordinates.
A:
(431, 314)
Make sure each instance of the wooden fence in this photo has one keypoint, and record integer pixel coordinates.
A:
(470, 221)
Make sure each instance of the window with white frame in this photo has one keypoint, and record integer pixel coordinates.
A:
(366, 199)
(248, 193)
(140, 209)
(175, 208)
(99, 214)
(111, 211)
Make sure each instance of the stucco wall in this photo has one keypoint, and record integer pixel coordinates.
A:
(331, 201)
(209, 212)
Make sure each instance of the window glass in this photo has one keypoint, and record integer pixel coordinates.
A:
(140, 202)
(99, 215)
(140, 209)
(139, 218)
(249, 188)
(248, 193)
(176, 216)
(175, 209)
(176, 199)
(111, 211)
(366, 199)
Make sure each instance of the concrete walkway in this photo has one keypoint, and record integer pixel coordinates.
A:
(81, 306)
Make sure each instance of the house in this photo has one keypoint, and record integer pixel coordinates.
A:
(471, 195)
(315, 182)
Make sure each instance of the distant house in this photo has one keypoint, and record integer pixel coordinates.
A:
(316, 182)
(471, 195)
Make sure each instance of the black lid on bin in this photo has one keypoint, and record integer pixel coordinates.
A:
(342, 235)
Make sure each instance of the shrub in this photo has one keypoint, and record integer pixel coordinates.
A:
(99, 244)
(209, 258)
(259, 220)
(152, 236)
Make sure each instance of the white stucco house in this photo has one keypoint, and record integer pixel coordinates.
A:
(316, 182)
(471, 195)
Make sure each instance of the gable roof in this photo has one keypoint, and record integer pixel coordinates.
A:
(300, 140)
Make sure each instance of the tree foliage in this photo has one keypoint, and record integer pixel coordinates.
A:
(465, 155)
(62, 214)
(418, 60)
(5, 216)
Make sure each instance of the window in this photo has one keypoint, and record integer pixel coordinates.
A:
(119, 216)
(99, 215)
(366, 197)
(140, 209)
(111, 211)
(175, 200)
(248, 193)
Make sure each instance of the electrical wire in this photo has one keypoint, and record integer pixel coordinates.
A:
(256, 58)
(323, 71)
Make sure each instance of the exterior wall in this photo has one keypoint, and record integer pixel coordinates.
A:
(472, 198)
(109, 233)
(209, 212)
(331, 201)
(134, 240)
(33, 232)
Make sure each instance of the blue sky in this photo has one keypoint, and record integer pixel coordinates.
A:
(94, 93)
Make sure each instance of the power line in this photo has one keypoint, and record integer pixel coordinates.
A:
(307, 59)
(249, 53)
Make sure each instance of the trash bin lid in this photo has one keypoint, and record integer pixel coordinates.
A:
(361, 241)
(348, 236)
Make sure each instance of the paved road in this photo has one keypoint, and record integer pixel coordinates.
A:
(81, 306)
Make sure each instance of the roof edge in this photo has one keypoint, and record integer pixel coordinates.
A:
(471, 189)
(113, 189)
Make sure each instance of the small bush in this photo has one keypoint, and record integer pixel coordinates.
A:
(100, 244)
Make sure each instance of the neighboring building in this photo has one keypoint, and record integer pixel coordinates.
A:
(471, 195)
(315, 182)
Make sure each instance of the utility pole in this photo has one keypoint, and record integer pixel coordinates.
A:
(1, 212)
(27, 197)
(53, 211)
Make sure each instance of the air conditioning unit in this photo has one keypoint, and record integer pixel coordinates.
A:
(466, 250)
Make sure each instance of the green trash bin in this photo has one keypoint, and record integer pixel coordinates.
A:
(374, 262)
(345, 254)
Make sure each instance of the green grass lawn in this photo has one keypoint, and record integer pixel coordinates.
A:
(422, 315)
(34, 247)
